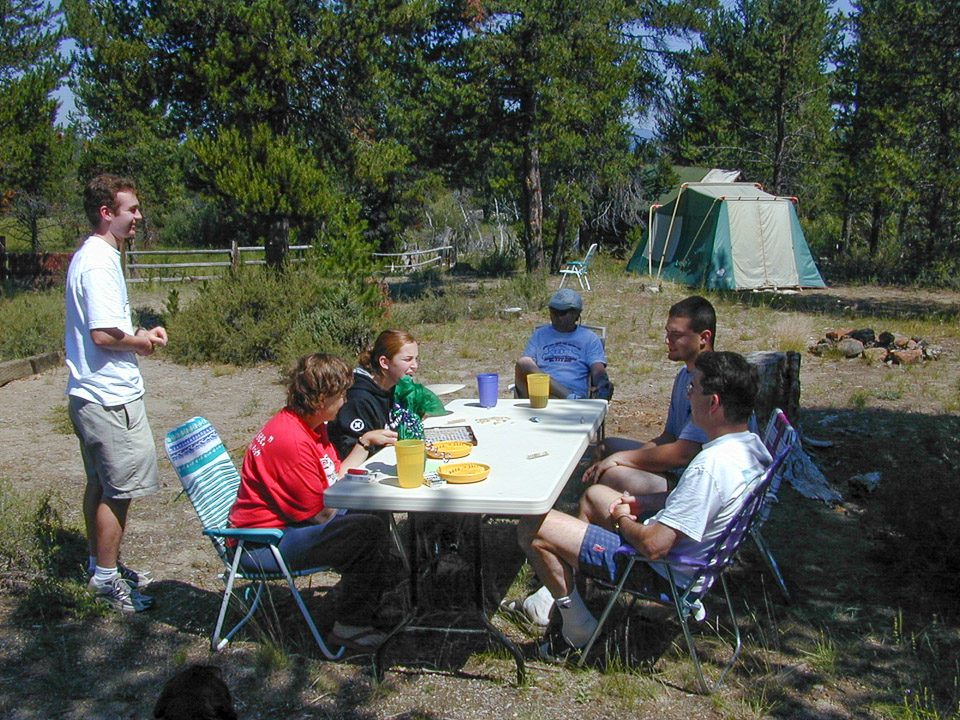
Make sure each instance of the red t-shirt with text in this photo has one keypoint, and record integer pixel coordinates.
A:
(287, 467)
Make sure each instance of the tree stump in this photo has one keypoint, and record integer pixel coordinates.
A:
(779, 384)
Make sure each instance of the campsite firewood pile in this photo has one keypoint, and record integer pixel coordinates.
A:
(888, 347)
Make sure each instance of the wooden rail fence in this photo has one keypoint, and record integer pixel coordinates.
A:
(402, 263)
(132, 266)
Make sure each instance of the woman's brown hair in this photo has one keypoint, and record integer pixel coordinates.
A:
(315, 379)
(387, 344)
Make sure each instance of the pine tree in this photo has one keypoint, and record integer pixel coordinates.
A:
(32, 151)
(755, 95)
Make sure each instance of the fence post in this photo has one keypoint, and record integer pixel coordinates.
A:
(3, 258)
(234, 255)
(130, 263)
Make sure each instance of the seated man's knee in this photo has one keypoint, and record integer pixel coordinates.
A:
(528, 528)
(595, 503)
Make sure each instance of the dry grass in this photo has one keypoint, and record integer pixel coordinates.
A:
(873, 633)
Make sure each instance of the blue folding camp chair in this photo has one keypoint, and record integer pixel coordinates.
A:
(211, 482)
(687, 600)
(778, 437)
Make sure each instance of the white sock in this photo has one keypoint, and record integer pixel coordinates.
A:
(578, 622)
(102, 575)
(91, 563)
(538, 606)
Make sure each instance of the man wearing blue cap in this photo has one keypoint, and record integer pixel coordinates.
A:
(571, 355)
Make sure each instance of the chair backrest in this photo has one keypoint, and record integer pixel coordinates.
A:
(778, 437)
(206, 471)
(589, 256)
(727, 545)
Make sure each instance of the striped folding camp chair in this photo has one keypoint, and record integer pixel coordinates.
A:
(779, 437)
(211, 481)
(687, 600)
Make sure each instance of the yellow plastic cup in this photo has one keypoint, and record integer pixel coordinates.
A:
(538, 387)
(410, 459)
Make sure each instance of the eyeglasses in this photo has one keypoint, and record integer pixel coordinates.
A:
(690, 390)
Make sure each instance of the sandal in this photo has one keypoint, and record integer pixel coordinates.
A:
(365, 639)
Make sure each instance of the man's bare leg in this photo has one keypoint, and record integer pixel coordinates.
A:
(111, 520)
(595, 502)
(91, 502)
(552, 545)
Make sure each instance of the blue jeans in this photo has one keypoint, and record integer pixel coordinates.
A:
(355, 545)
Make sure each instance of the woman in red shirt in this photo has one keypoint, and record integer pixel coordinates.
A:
(286, 469)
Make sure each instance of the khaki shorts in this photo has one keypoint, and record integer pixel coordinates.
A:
(119, 453)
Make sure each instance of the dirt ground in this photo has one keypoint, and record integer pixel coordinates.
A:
(114, 667)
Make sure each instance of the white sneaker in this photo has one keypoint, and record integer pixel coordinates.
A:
(119, 595)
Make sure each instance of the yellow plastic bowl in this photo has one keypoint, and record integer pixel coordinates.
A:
(463, 473)
(451, 449)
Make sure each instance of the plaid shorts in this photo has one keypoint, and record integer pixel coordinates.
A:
(597, 560)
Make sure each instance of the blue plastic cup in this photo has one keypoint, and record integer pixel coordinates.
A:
(489, 385)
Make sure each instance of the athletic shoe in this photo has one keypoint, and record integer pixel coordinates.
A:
(119, 595)
(136, 579)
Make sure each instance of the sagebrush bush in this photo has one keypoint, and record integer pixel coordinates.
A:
(498, 264)
(341, 324)
(31, 322)
(259, 315)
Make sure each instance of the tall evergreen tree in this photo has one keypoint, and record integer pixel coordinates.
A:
(900, 125)
(755, 94)
(248, 92)
(32, 151)
(554, 82)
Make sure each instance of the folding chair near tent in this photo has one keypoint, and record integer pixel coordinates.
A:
(211, 481)
(687, 600)
(579, 268)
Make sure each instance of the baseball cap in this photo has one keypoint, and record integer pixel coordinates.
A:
(565, 299)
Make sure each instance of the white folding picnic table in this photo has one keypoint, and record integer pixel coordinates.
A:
(531, 453)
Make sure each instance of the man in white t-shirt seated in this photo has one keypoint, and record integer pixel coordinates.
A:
(571, 355)
(686, 521)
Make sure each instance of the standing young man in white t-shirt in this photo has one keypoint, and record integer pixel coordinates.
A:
(106, 389)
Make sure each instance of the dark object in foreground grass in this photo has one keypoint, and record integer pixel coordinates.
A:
(197, 693)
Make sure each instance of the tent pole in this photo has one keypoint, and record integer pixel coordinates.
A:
(666, 240)
(651, 237)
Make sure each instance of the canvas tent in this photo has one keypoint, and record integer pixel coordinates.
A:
(727, 235)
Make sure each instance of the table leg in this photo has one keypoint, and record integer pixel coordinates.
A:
(475, 523)
(481, 600)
